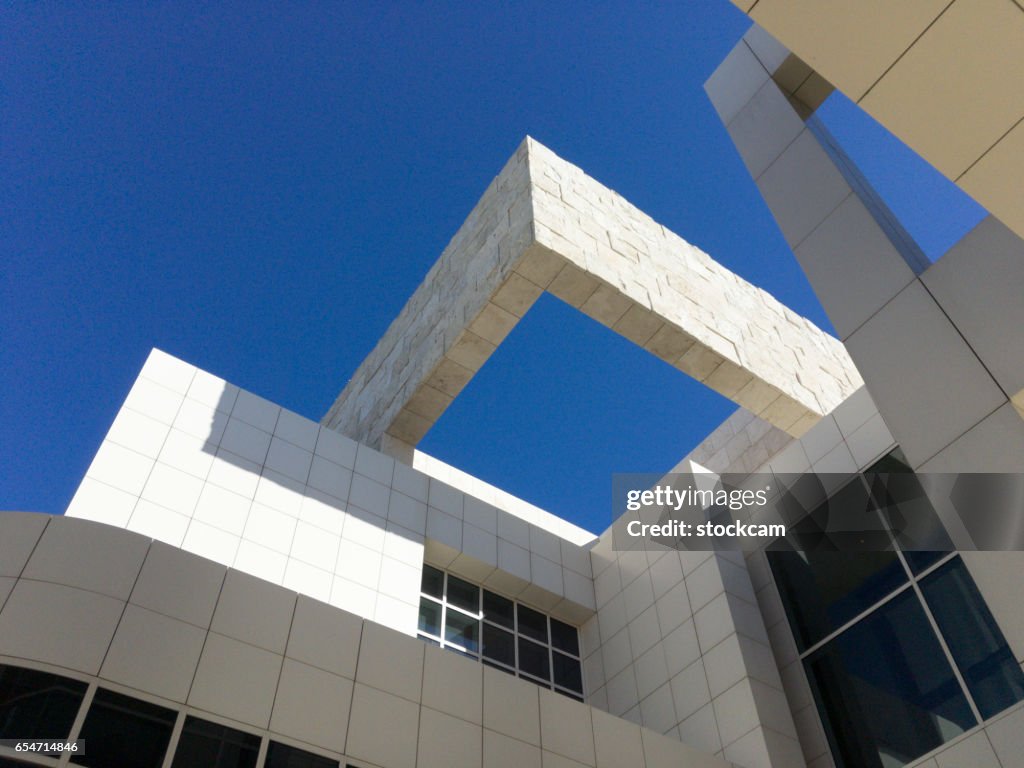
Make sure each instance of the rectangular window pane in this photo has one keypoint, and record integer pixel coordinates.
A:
(433, 582)
(565, 637)
(499, 645)
(885, 690)
(282, 756)
(498, 609)
(533, 659)
(125, 732)
(463, 595)
(37, 704)
(430, 617)
(532, 623)
(214, 746)
(461, 630)
(823, 590)
(567, 672)
(979, 649)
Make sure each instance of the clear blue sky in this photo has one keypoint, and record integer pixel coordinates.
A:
(257, 188)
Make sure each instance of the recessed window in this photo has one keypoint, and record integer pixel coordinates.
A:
(900, 649)
(502, 633)
(979, 649)
(215, 746)
(282, 756)
(37, 704)
(125, 732)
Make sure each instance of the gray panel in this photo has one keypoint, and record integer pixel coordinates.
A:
(980, 284)
(928, 385)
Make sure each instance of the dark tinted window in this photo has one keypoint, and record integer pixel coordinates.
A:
(214, 746)
(979, 649)
(37, 704)
(532, 623)
(430, 616)
(533, 659)
(499, 645)
(824, 590)
(885, 690)
(283, 756)
(433, 581)
(125, 732)
(461, 630)
(565, 637)
(567, 672)
(498, 609)
(463, 595)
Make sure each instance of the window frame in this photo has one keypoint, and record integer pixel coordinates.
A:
(517, 637)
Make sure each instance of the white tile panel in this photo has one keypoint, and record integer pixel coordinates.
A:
(134, 430)
(171, 372)
(211, 543)
(312, 705)
(394, 746)
(173, 489)
(213, 391)
(88, 556)
(187, 453)
(121, 468)
(254, 612)
(222, 509)
(388, 662)
(236, 680)
(154, 653)
(178, 584)
(308, 580)
(336, 448)
(100, 502)
(288, 459)
(296, 430)
(156, 522)
(35, 619)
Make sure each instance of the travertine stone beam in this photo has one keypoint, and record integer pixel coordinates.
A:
(544, 225)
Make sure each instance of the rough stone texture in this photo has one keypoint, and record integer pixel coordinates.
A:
(544, 225)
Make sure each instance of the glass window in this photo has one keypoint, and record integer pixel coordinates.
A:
(207, 744)
(430, 617)
(461, 630)
(282, 756)
(567, 672)
(533, 624)
(565, 637)
(500, 632)
(499, 609)
(979, 649)
(463, 595)
(533, 659)
(125, 732)
(886, 690)
(499, 645)
(824, 590)
(37, 704)
(433, 582)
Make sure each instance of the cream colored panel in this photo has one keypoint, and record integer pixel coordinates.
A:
(850, 42)
(958, 89)
(997, 179)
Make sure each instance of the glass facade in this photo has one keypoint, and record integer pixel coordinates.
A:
(900, 650)
(502, 633)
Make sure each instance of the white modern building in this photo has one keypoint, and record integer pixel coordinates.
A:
(236, 586)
